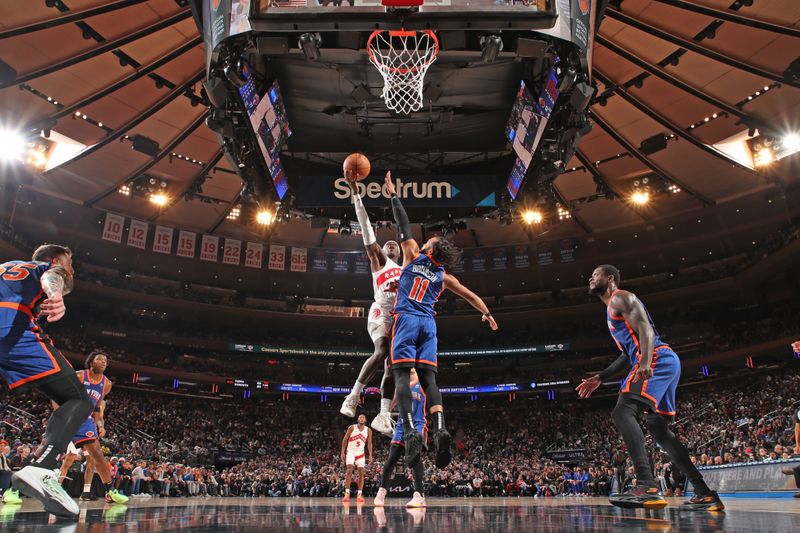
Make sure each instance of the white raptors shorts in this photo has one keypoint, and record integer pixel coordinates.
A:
(379, 323)
(353, 459)
(72, 450)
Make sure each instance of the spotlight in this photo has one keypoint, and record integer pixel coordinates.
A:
(764, 156)
(125, 190)
(264, 217)
(640, 198)
(309, 43)
(491, 46)
(234, 213)
(531, 217)
(159, 199)
(12, 145)
(791, 142)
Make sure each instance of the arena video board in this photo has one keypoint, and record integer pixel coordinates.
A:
(270, 125)
(526, 126)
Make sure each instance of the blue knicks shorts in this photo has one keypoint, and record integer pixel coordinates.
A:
(86, 433)
(399, 432)
(414, 342)
(27, 356)
(659, 391)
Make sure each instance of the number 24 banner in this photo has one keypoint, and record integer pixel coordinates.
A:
(253, 255)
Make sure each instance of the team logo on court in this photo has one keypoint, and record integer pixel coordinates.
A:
(585, 5)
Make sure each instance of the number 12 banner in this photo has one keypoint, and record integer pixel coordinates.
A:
(137, 235)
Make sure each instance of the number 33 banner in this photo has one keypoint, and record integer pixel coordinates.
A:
(277, 257)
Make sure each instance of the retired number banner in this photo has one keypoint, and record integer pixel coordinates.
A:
(232, 252)
(252, 257)
(186, 242)
(112, 231)
(209, 249)
(137, 235)
(163, 241)
(299, 259)
(277, 257)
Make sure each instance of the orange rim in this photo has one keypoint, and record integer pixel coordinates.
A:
(405, 33)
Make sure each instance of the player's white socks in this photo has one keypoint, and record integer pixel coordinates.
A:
(87, 488)
(385, 405)
(357, 388)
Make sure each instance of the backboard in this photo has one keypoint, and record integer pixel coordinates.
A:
(368, 15)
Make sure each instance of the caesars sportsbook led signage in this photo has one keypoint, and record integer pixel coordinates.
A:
(415, 191)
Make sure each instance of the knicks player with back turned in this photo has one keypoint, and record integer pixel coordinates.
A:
(30, 291)
(385, 275)
(649, 388)
(414, 342)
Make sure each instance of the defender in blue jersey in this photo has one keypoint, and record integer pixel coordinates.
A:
(650, 388)
(97, 386)
(422, 280)
(30, 291)
(418, 401)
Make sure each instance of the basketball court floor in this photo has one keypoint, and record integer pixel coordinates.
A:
(459, 515)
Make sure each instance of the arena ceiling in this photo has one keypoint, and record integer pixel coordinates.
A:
(100, 73)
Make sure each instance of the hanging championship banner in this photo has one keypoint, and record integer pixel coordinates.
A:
(340, 262)
(277, 257)
(232, 252)
(478, 257)
(112, 231)
(163, 240)
(299, 258)
(566, 250)
(137, 235)
(319, 261)
(209, 248)
(521, 257)
(544, 253)
(186, 242)
(361, 264)
(500, 258)
(253, 254)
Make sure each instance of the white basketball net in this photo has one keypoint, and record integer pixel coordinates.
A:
(403, 58)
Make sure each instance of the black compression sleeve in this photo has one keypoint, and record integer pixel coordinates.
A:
(401, 218)
(614, 368)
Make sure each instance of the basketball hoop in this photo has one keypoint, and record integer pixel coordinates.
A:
(402, 57)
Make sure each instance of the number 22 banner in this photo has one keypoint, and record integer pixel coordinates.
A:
(232, 252)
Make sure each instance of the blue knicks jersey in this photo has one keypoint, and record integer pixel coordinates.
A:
(94, 390)
(420, 285)
(626, 338)
(20, 292)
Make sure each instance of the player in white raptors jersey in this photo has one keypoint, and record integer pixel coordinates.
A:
(357, 442)
(385, 275)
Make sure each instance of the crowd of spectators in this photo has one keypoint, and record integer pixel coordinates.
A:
(172, 445)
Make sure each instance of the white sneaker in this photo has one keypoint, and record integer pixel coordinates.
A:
(349, 405)
(417, 501)
(380, 497)
(384, 424)
(42, 484)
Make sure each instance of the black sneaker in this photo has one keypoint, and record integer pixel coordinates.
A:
(87, 497)
(413, 442)
(441, 442)
(639, 498)
(706, 502)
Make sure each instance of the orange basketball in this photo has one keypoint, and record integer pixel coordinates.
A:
(356, 165)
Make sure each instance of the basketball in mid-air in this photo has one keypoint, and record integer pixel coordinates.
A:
(356, 166)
